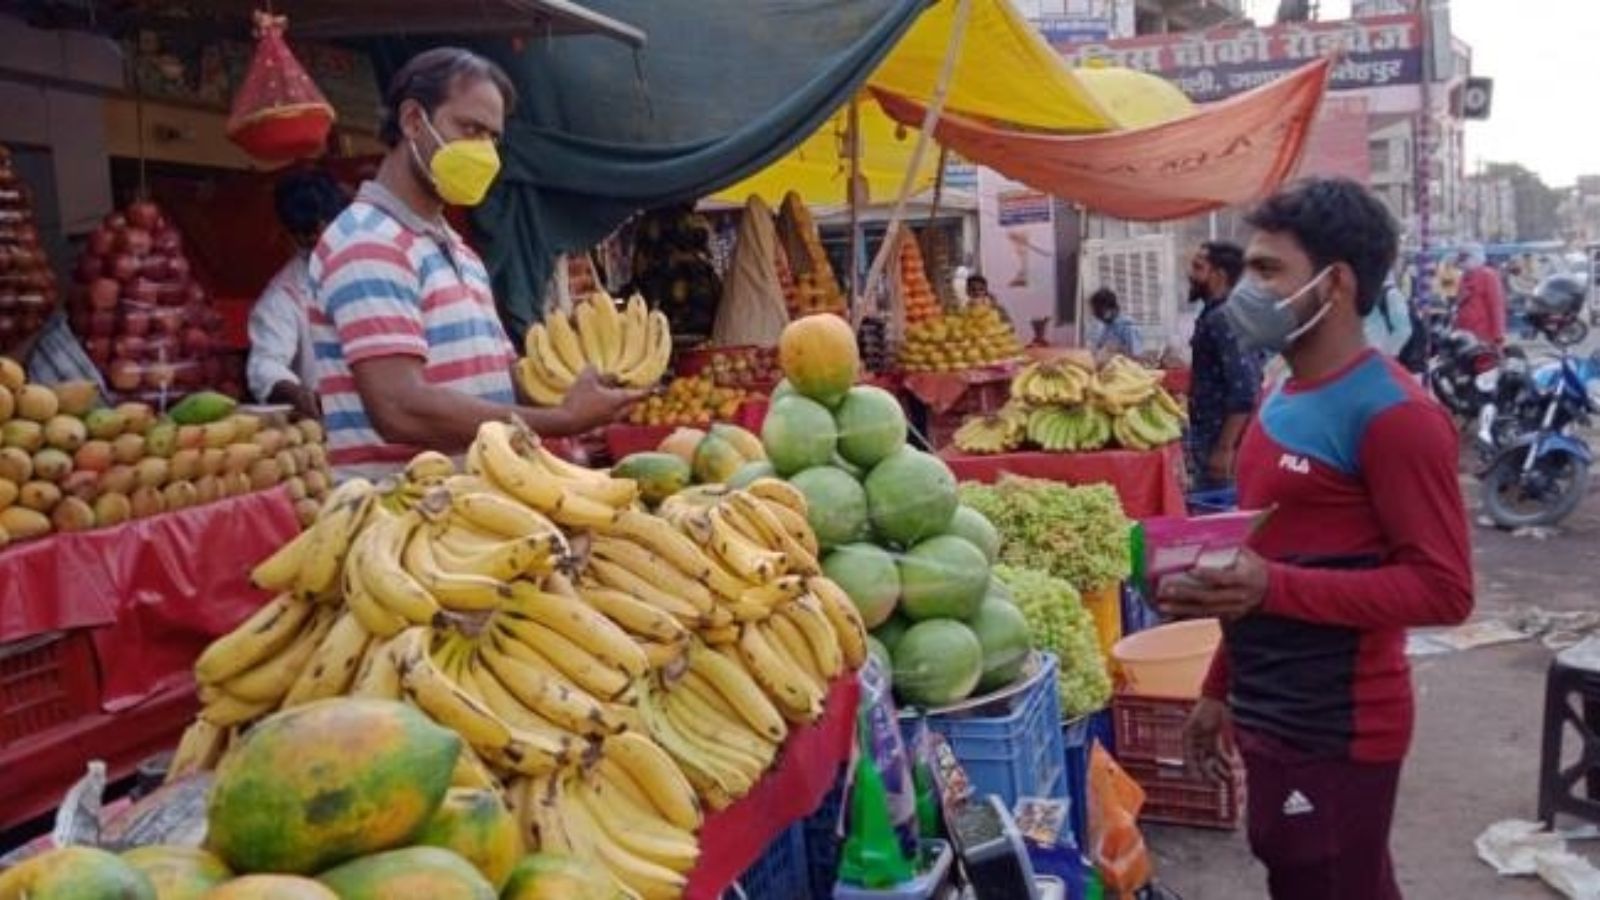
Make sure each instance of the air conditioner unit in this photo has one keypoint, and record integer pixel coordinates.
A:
(1144, 272)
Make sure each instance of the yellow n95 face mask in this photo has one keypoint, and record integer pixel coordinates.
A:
(463, 170)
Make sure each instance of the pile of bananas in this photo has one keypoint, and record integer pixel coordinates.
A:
(1065, 429)
(1058, 382)
(1060, 406)
(632, 347)
(999, 432)
(612, 671)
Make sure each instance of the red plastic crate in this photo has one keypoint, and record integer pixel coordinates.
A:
(1174, 795)
(1150, 729)
(45, 680)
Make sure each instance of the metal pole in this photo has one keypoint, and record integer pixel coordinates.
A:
(853, 138)
(930, 121)
(1423, 153)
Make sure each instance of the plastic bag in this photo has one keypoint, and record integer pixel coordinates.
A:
(878, 718)
(1115, 843)
(1173, 546)
(752, 310)
(278, 114)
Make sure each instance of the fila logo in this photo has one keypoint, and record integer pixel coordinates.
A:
(1297, 805)
(1296, 464)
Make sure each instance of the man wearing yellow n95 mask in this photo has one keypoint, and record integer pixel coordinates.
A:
(409, 353)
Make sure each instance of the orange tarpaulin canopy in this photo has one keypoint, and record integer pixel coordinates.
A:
(1228, 153)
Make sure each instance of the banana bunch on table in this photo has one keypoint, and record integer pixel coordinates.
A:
(1001, 432)
(1057, 381)
(632, 347)
(602, 664)
(633, 812)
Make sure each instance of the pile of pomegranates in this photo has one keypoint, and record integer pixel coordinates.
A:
(143, 317)
(27, 286)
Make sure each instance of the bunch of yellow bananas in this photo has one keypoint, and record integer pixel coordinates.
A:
(1056, 381)
(632, 812)
(602, 664)
(1001, 432)
(1122, 384)
(632, 346)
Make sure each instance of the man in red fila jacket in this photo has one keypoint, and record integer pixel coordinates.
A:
(1366, 537)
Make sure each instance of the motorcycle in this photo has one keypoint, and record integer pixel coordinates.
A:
(1463, 372)
(1512, 407)
(1540, 474)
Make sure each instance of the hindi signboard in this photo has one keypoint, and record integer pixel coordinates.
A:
(1374, 52)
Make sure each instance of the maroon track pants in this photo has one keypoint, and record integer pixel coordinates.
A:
(1319, 825)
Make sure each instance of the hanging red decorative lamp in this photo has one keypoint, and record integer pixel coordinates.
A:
(278, 114)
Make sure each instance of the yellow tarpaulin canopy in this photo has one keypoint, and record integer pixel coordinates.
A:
(1005, 71)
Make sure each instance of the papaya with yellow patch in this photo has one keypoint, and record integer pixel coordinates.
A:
(76, 873)
(476, 825)
(553, 876)
(318, 784)
(431, 872)
(178, 873)
(272, 887)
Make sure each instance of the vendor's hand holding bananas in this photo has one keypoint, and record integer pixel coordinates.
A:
(631, 347)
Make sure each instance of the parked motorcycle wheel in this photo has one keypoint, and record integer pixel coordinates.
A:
(1570, 334)
(1542, 496)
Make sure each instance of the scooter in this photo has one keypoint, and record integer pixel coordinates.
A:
(1540, 473)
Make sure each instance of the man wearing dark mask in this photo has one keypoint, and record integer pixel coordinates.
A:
(1366, 537)
(410, 352)
(1225, 380)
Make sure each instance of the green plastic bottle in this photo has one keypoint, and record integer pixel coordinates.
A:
(871, 857)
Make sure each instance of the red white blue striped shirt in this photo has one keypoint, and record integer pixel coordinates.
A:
(387, 282)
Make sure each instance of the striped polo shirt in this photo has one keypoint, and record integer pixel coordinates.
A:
(388, 282)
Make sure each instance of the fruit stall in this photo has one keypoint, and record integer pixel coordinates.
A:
(1066, 420)
(694, 646)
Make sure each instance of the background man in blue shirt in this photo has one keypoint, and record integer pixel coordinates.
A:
(1225, 379)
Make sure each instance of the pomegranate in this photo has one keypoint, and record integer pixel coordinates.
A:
(124, 267)
(101, 242)
(103, 294)
(135, 241)
(102, 324)
(143, 214)
(126, 375)
(136, 322)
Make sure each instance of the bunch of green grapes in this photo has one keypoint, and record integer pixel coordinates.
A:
(1061, 625)
(1076, 533)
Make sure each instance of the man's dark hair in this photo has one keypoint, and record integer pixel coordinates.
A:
(430, 76)
(1336, 220)
(307, 200)
(1226, 257)
(977, 279)
(1104, 298)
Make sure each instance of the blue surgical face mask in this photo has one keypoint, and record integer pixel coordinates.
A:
(1263, 319)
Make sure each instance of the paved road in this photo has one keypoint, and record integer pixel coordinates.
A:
(1475, 759)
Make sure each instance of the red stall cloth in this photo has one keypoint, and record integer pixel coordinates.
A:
(1150, 482)
(1177, 381)
(941, 391)
(732, 840)
(1226, 154)
(154, 591)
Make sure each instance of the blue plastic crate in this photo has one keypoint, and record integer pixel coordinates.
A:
(780, 873)
(822, 839)
(1015, 754)
(1077, 737)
